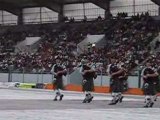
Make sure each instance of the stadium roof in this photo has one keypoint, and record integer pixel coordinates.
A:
(156, 1)
(33, 3)
(55, 5)
(12, 5)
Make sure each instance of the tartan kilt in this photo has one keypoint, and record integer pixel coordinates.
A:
(116, 85)
(58, 83)
(88, 85)
(157, 85)
(149, 88)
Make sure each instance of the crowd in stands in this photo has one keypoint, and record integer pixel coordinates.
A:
(157, 44)
(132, 39)
(127, 39)
(8, 40)
(55, 42)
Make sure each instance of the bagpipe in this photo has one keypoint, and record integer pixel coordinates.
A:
(124, 75)
(148, 71)
(61, 71)
(88, 72)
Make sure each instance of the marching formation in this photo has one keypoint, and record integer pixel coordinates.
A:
(118, 74)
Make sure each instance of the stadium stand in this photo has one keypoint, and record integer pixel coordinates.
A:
(127, 37)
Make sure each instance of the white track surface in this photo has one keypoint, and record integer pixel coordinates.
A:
(12, 100)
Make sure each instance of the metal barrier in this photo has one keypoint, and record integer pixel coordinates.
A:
(74, 78)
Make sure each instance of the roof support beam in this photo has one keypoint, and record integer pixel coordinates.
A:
(76, 1)
(105, 4)
(20, 17)
(49, 4)
(10, 8)
(156, 2)
(61, 14)
(102, 3)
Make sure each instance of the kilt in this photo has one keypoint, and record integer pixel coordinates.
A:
(88, 85)
(157, 85)
(58, 83)
(149, 88)
(116, 85)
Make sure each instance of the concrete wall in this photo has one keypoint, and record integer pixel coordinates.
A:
(30, 78)
(76, 78)
(3, 77)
